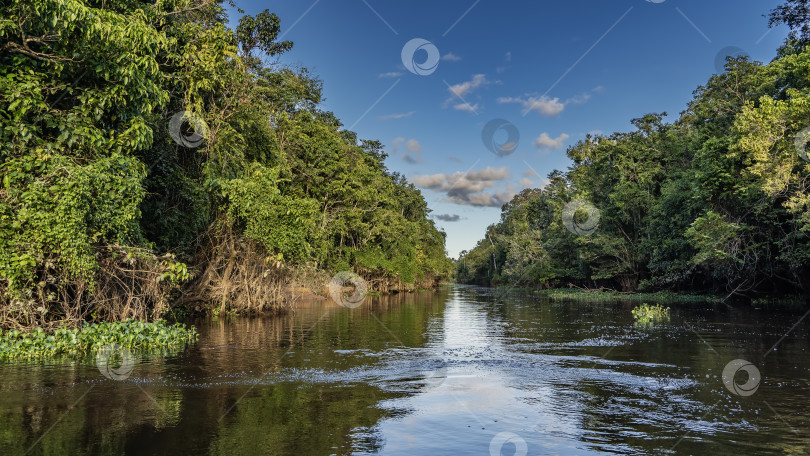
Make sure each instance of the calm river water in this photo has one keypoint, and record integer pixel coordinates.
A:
(462, 371)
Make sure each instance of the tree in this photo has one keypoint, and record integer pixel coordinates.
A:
(94, 176)
(796, 15)
(715, 201)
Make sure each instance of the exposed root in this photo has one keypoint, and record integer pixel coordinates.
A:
(135, 284)
(237, 275)
(130, 283)
(380, 282)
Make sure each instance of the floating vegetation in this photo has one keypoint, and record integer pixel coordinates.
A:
(133, 335)
(782, 302)
(574, 294)
(647, 315)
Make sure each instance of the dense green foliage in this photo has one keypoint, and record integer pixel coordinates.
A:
(716, 201)
(95, 151)
(132, 335)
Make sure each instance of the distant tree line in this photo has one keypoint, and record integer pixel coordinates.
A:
(717, 201)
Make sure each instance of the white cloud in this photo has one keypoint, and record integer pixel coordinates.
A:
(411, 155)
(459, 91)
(485, 199)
(450, 57)
(470, 188)
(466, 107)
(579, 99)
(507, 59)
(433, 181)
(465, 88)
(398, 115)
(413, 146)
(448, 217)
(543, 105)
(529, 183)
(544, 141)
(392, 74)
(547, 106)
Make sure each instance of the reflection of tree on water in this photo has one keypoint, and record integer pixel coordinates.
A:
(175, 402)
(565, 376)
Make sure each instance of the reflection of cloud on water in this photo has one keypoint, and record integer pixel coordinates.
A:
(480, 398)
(467, 411)
(467, 326)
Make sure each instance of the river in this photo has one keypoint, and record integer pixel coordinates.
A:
(461, 371)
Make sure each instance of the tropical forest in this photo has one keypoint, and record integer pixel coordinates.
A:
(235, 227)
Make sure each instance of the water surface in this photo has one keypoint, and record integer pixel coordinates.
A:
(465, 370)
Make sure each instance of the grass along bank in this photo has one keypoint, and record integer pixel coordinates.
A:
(666, 297)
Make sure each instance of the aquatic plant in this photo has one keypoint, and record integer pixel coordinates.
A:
(573, 294)
(646, 314)
(133, 335)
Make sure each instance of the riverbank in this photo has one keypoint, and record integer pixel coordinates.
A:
(277, 290)
(83, 338)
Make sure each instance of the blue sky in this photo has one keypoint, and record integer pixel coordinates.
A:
(552, 70)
